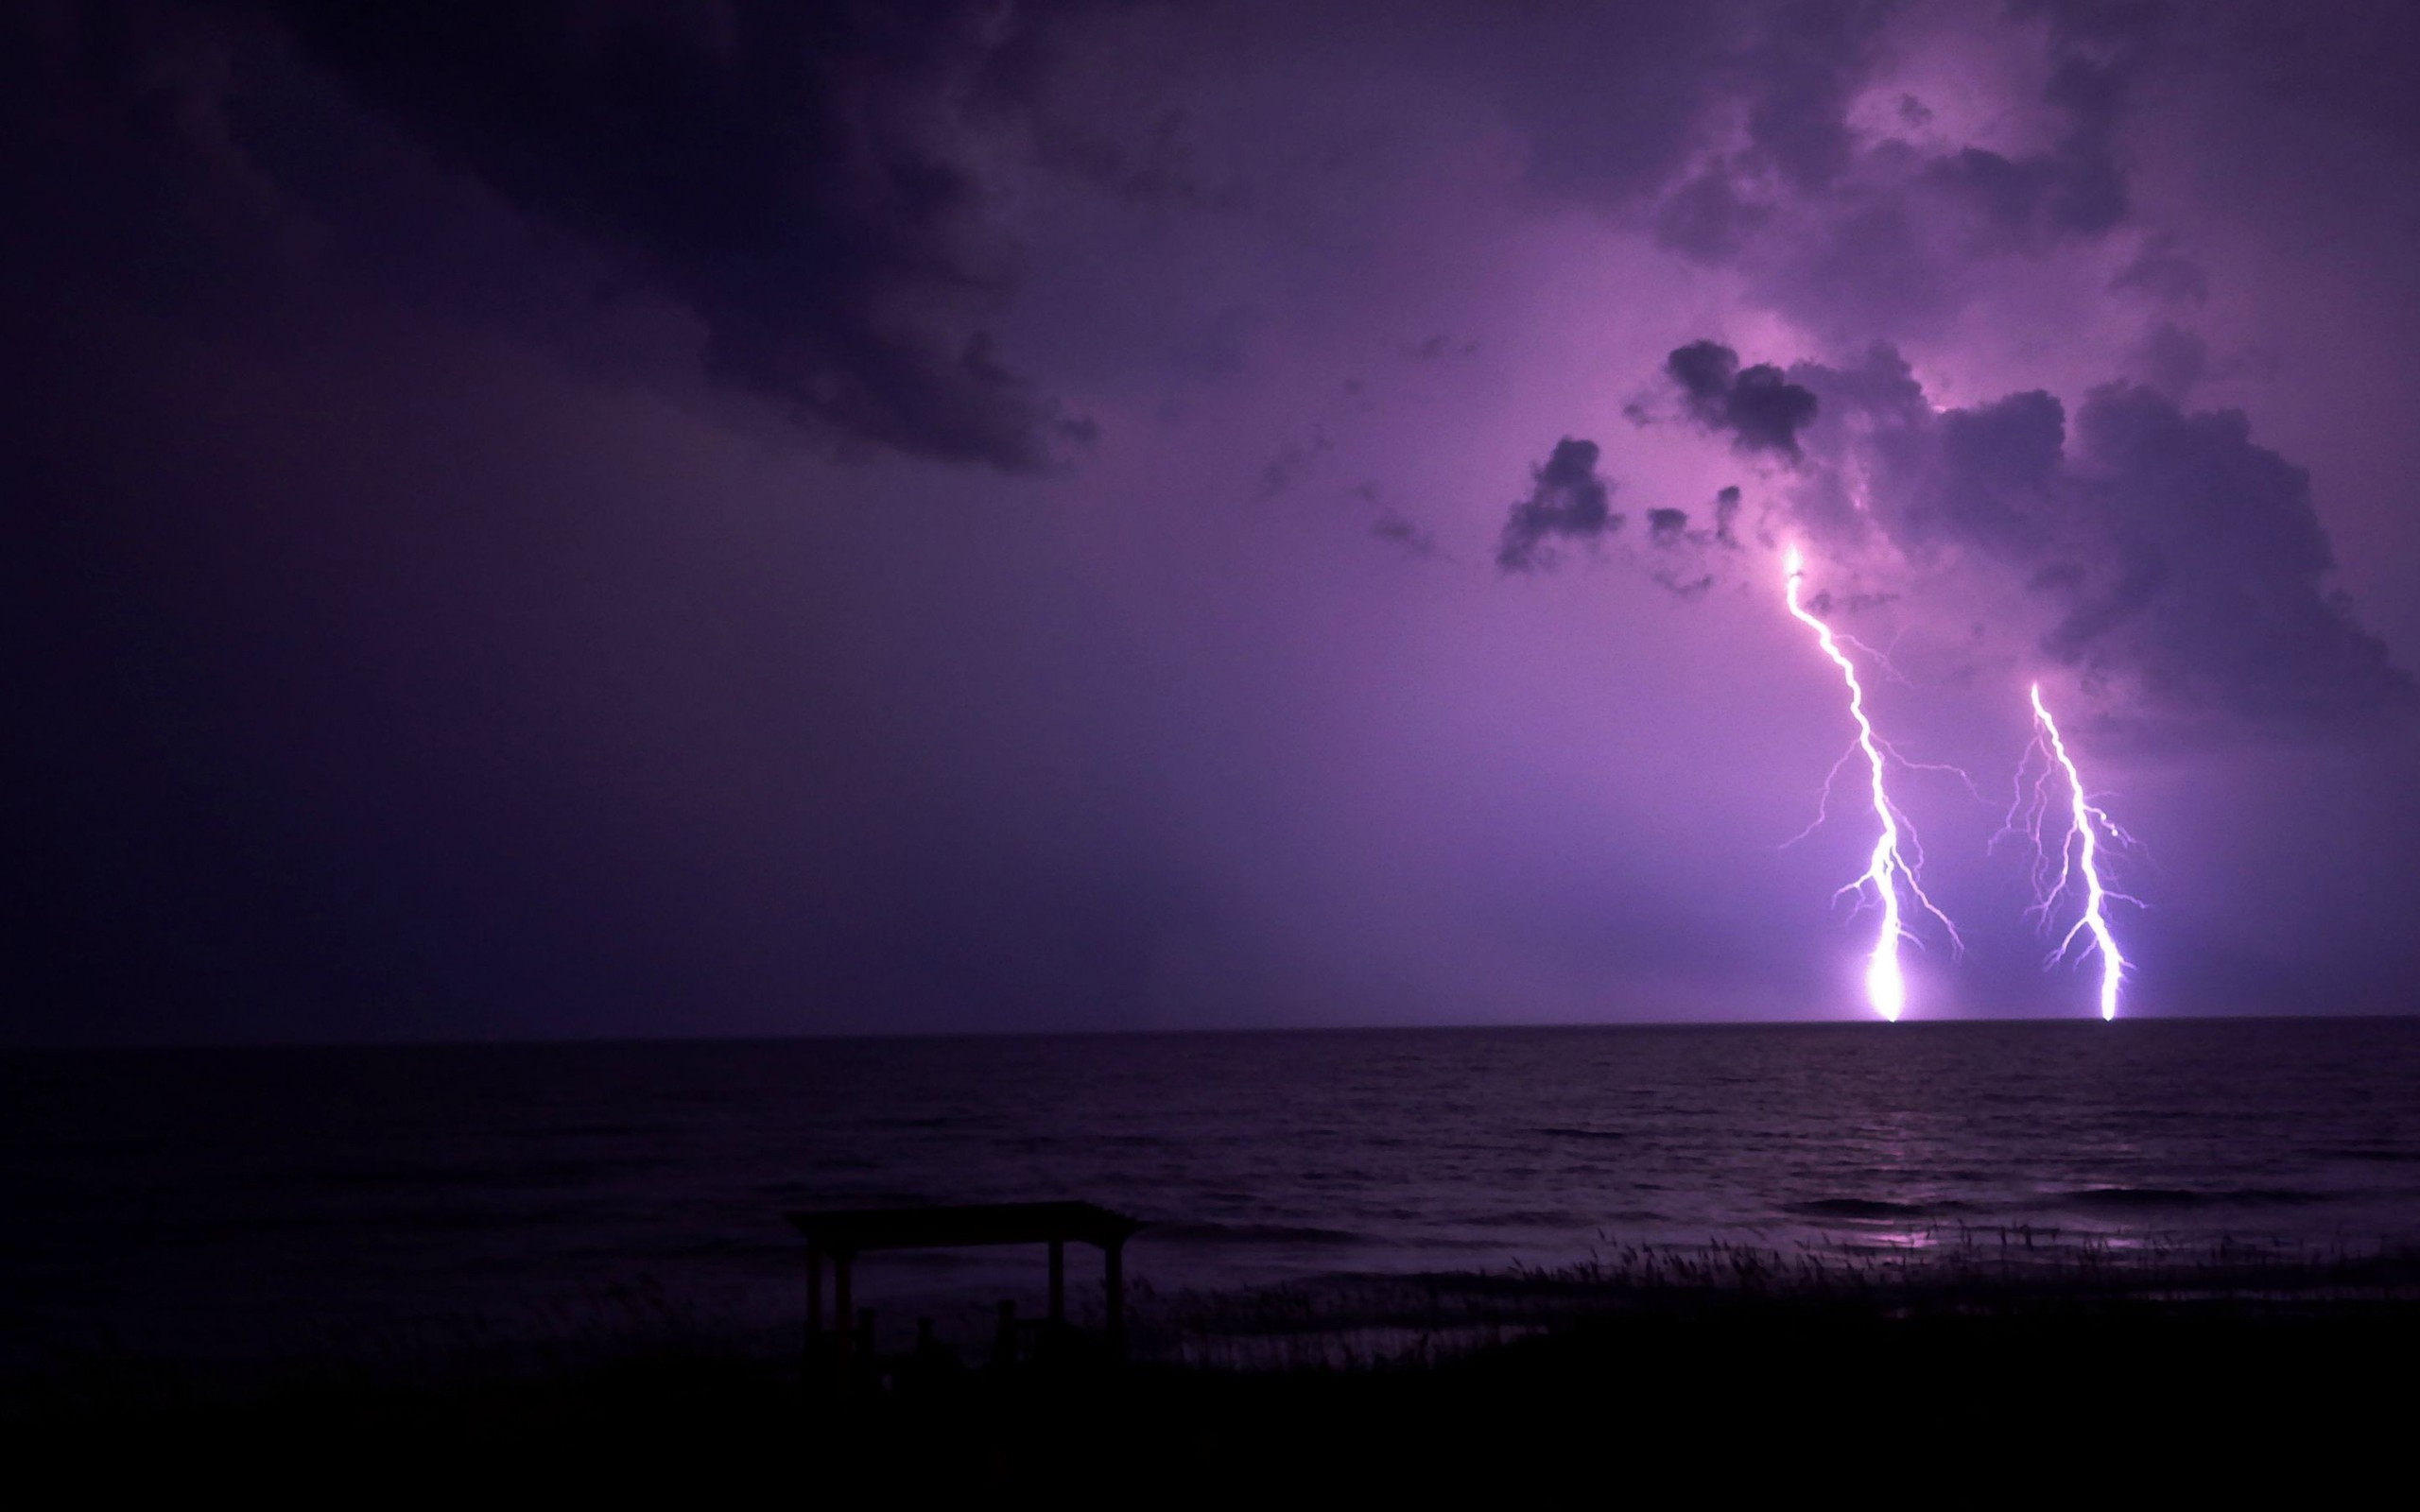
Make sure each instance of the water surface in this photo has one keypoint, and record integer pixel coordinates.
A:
(212, 1201)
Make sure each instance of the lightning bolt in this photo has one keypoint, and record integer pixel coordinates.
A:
(1888, 867)
(2079, 852)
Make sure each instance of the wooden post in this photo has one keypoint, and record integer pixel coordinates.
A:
(810, 1356)
(1113, 1265)
(1004, 1336)
(840, 1313)
(1057, 1282)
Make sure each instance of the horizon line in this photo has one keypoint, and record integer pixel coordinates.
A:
(1161, 1031)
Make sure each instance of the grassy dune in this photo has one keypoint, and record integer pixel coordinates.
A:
(1959, 1371)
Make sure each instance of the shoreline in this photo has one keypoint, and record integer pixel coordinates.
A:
(1395, 1380)
(1415, 1316)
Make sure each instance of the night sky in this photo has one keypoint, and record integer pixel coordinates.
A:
(539, 520)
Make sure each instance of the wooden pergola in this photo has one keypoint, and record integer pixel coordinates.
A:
(841, 1235)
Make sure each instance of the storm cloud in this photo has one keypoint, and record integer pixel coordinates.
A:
(2173, 561)
(804, 186)
(1567, 501)
(1757, 407)
(800, 176)
(1877, 227)
(560, 517)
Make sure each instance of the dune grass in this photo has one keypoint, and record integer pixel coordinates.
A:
(1633, 1366)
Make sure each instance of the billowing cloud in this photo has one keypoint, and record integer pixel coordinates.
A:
(426, 428)
(2162, 553)
(1567, 501)
(1879, 226)
(1682, 558)
(1758, 408)
(804, 186)
(803, 179)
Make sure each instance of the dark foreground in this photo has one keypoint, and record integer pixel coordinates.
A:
(1703, 1396)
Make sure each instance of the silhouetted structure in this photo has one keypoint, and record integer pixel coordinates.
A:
(842, 1235)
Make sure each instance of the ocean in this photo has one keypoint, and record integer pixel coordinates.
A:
(224, 1204)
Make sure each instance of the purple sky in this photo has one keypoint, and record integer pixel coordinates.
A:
(667, 519)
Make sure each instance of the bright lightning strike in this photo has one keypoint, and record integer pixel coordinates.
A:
(2079, 855)
(1889, 866)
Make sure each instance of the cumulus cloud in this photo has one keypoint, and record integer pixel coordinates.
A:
(1570, 499)
(1567, 501)
(1671, 530)
(1682, 558)
(2174, 562)
(1759, 408)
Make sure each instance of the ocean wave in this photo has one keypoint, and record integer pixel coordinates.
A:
(1533, 1218)
(2167, 1198)
(1871, 1209)
(1260, 1233)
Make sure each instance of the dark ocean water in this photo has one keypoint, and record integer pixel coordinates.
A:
(209, 1204)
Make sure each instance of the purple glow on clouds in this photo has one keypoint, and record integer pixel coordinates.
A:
(973, 522)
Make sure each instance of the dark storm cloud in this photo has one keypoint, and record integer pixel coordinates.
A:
(1681, 561)
(1567, 501)
(1669, 529)
(1803, 75)
(1757, 407)
(1680, 568)
(2179, 565)
(2216, 597)
(800, 180)
(1858, 232)
(407, 645)
(798, 175)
